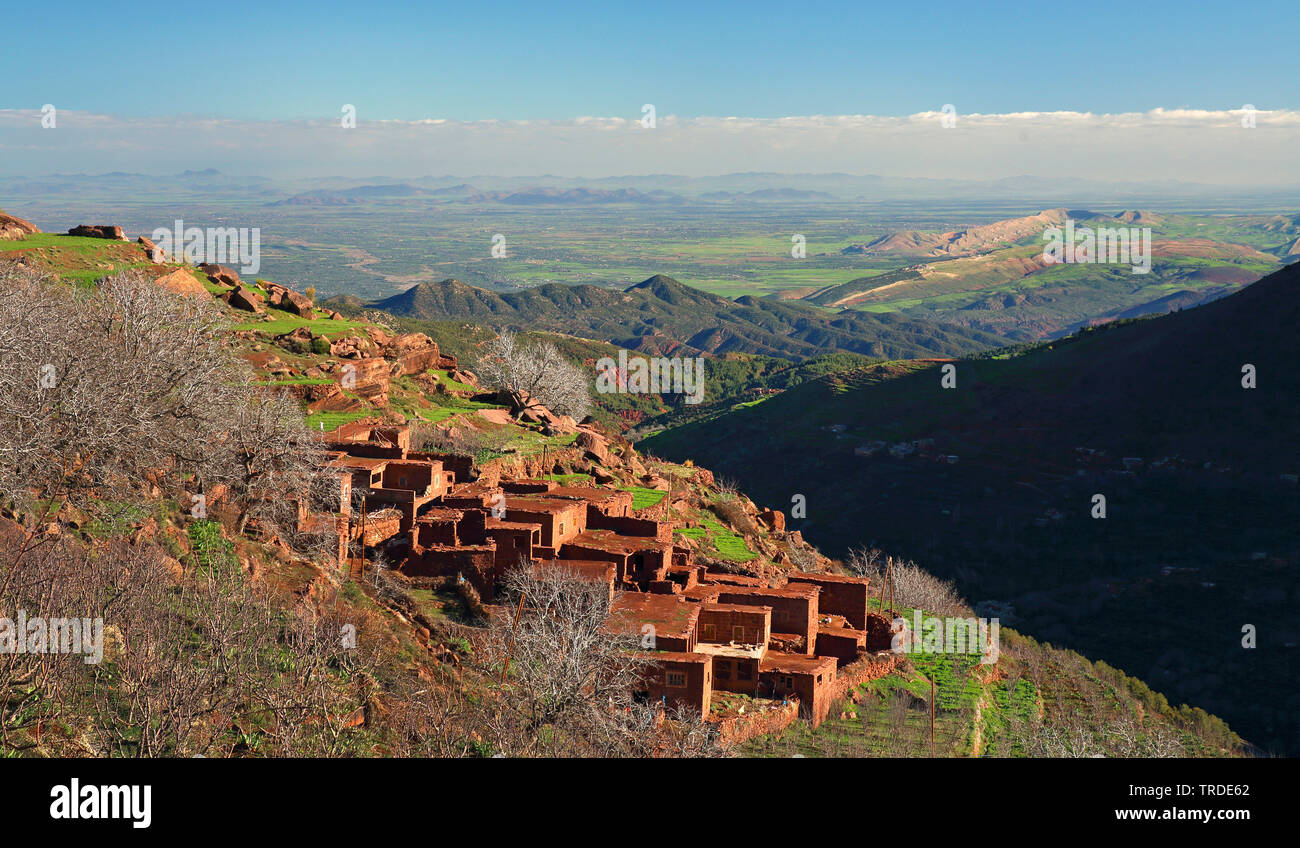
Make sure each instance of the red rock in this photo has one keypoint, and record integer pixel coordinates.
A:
(12, 228)
(104, 231)
(181, 281)
(245, 298)
(297, 304)
(220, 274)
(774, 519)
(153, 251)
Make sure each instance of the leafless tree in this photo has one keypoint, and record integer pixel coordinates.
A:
(271, 462)
(534, 375)
(915, 587)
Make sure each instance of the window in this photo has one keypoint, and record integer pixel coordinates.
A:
(677, 679)
(744, 671)
(710, 633)
(787, 681)
(724, 669)
(737, 634)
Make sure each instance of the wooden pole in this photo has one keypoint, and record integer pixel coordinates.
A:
(932, 754)
(510, 649)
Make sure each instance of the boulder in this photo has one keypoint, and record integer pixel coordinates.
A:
(301, 335)
(594, 446)
(220, 274)
(245, 298)
(774, 519)
(297, 304)
(153, 251)
(103, 231)
(468, 378)
(181, 281)
(12, 228)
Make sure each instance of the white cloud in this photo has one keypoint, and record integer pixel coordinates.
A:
(1192, 145)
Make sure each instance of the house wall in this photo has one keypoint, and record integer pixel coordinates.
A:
(840, 596)
(697, 676)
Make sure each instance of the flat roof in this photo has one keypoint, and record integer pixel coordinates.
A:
(732, 650)
(810, 577)
(362, 462)
(795, 663)
(767, 592)
(541, 503)
(669, 614)
(502, 524)
(611, 542)
(676, 657)
(588, 569)
(750, 608)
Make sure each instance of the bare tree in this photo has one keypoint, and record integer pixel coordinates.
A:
(271, 461)
(104, 391)
(535, 375)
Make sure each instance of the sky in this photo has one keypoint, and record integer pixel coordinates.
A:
(510, 87)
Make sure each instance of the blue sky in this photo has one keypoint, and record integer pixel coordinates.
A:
(510, 61)
(1132, 91)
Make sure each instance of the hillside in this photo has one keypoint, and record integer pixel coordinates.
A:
(430, 673)
(992, 483)
(663, 316)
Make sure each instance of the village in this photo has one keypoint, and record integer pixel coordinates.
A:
(795, 645)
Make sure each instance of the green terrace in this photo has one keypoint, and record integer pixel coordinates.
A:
(727, 544)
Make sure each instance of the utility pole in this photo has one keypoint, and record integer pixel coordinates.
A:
(932, 754)
(510, 649)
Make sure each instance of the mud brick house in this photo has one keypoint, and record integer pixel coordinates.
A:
(737, 639)
(843, 643)
(840, 595)
(794, 611)
(594, 572)
(810, 678)
(681, 679)
(707, 631)
(660, 622)
(638, 561)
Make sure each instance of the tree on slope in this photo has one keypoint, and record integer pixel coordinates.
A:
(535, 375)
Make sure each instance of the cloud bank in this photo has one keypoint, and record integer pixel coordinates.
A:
(1240, 147)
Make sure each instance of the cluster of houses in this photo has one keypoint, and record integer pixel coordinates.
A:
(436, 515)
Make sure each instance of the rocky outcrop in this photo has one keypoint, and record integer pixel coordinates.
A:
(283, 297)
(414, 353)
(103, 231)
(181, 281)
(245, 298)
(153, 251)
(12, 228)
(594, 446)
(220, 274)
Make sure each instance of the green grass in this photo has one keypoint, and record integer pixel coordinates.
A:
(331, 420)
(643, 498)
(724, 543)
(444, 377)
(281, 322)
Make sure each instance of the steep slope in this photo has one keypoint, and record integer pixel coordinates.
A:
(1199, 534)
(661, 315)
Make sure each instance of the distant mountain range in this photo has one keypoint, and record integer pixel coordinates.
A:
(663, 316)
(542, 195)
